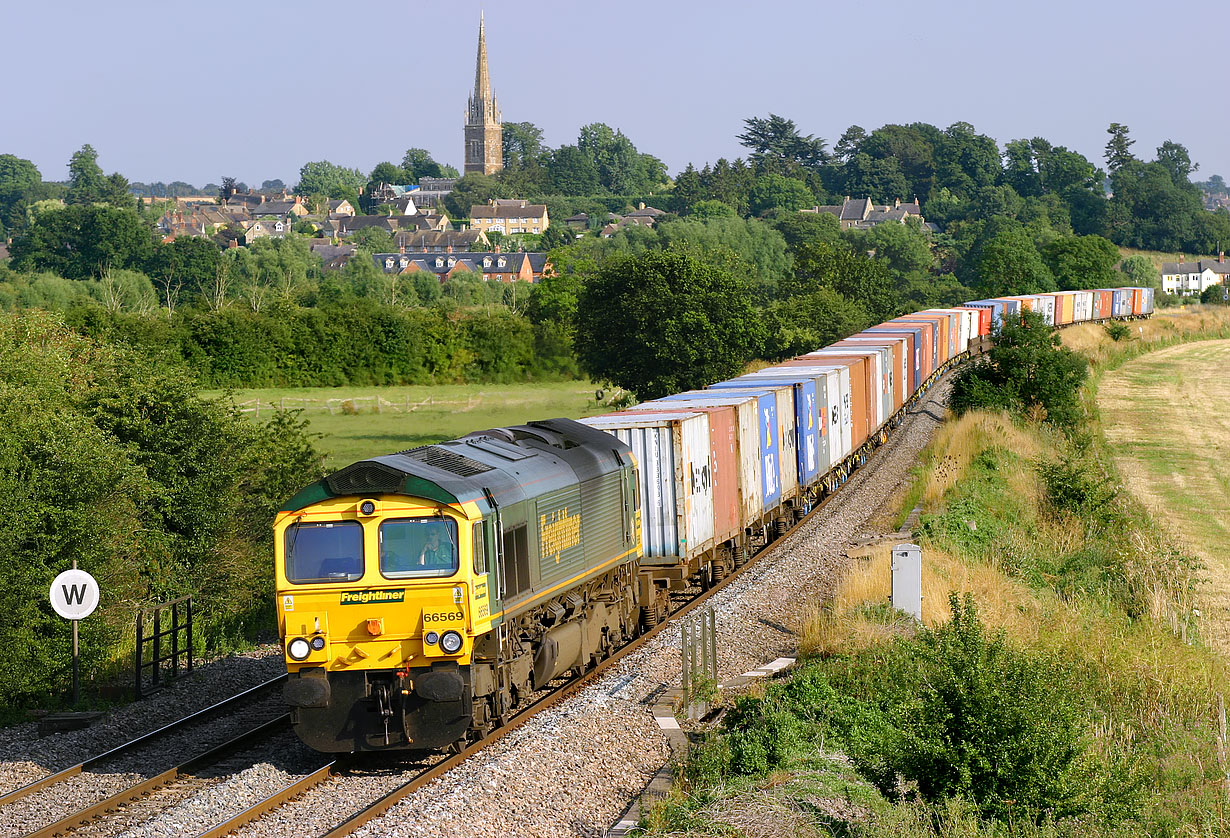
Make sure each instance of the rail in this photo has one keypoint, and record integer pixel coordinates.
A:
(186, 721)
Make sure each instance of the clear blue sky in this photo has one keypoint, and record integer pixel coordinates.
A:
(175, 91)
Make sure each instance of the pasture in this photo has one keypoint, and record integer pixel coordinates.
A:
(1166, 416)
(359, 422)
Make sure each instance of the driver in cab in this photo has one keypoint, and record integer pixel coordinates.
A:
(436, 554)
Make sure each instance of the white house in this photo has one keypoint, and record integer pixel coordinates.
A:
(1189, 279)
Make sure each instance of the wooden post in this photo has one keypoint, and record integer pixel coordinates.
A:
(1221, 743)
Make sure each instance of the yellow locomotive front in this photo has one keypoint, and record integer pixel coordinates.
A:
(380, 599)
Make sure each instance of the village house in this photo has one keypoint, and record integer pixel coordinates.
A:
(1190, 279)
(499, 267)
(280, 209)
(643, 216)
(259, 228)
(861, 213)
(441, 241)
(509, 216)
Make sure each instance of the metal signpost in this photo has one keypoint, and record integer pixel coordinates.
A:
(74, 596)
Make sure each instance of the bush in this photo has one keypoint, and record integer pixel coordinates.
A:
(1117, 331)
(990, 724)
(109, 457)
(1027, 370)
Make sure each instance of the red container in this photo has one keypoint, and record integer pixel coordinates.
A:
(1138, 301)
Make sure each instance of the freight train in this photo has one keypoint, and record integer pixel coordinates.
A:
(424, 595)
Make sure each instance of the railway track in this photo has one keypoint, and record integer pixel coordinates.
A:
(386, 801)
(27, 805)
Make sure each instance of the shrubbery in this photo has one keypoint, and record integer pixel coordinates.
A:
(1027, 370)
(109, 457)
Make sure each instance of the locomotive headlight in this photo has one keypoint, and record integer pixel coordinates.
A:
(298, 649)
(318, 643)
(451, 642)
(431, 638)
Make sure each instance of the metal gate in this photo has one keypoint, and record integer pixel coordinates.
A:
(164, 645)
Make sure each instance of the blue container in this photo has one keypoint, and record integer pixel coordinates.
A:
(770, 446)
(811, 460)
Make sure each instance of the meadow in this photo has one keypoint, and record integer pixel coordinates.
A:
(358, 422)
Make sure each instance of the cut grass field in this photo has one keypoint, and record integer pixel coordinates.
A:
(352, 429)
(1166, 416)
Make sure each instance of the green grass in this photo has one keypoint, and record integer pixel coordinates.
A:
(351, 429)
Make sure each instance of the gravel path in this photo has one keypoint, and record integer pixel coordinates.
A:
(570, 770)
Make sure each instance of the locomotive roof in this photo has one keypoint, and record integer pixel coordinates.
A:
(511, 463)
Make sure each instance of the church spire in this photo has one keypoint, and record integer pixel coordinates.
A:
(484, 145)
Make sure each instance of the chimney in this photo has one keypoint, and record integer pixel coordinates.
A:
(497, 248)
(1221, 256)
(641, 205)
(401, 248)
(298, 199)
(448, 249)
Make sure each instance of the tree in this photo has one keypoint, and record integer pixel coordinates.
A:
(375, 239)
(1027, 369)
(664, 322)
(1080, 262)
(88, 184)
(1140, 272)
(854, 276)
(275, 185)
(522, 145)
(18, 178)
(773, 191)
(572, 172)
(706, 210)
(82, 241)
(1010, 264)
(228, 189)
(811, 320)
(471, 190)
(1118, 147)
(418, 162)
(850, 143)
(1177, 161)
(326, 178)
(777, 141)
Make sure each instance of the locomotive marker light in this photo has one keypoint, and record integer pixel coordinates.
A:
(74, 596)
(298, 649)
(451, 642)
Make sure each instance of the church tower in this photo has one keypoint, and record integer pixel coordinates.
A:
(484, 133)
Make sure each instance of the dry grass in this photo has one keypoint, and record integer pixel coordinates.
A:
(1165, 328)
(848, 625)
(957, 443)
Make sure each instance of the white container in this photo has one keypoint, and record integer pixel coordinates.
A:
(881, 400)
(1082, 308)
(674, 467)
(750, 479)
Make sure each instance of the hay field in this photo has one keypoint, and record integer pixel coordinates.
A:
(1166, 416)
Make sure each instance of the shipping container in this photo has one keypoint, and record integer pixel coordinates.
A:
(1103, 304)
(1122, 302)
(876, 377)
(997, 314)
(780, 438)
(1082, 306)
(1065, 307)
(750, 479)
(1147, 304)
(962, 320)
(858, 373)
(838, 399)
(939, 340)
(927, 361)
(901, 349)
(673, 452)
(809, 412)
(913, 336)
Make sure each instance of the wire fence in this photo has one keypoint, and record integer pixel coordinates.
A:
(353, 405)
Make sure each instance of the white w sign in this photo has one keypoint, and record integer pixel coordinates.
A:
(74, 594)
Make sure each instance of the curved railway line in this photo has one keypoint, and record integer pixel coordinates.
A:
(182, 775)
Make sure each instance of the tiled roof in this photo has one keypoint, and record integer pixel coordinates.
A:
(1197, 267)
(506, 210)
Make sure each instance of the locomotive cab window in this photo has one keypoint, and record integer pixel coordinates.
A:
(418, 548)
(324, 552)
